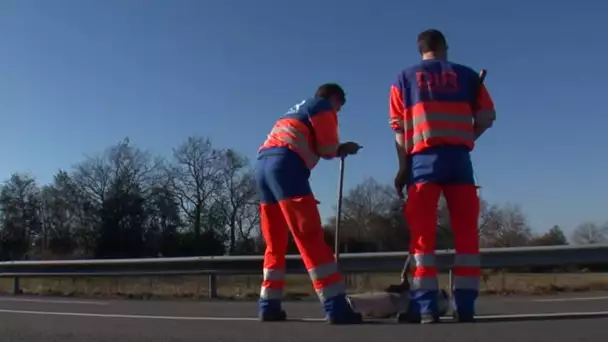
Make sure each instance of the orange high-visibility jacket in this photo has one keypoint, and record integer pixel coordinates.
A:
(436, 103)
(310, 128)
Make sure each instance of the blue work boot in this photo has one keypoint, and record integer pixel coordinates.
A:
(422, 308)
(443, 303)
(338, 311)
(463, 305)
(270, 310)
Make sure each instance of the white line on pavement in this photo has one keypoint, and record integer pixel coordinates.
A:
(186, 318)
(179, 318)
(590, 314)
(579, 299)
(51, 301)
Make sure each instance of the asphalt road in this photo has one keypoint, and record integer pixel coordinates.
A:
(534, 319)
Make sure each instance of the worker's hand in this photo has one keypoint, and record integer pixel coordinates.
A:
(400, 182)
(348, 148)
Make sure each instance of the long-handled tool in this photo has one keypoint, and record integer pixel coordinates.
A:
(339, 212)
(482, 77)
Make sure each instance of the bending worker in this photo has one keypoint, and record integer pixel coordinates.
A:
(438, 109)
(306, 133)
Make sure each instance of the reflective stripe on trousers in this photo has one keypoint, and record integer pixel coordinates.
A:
(273, 284)
(424, 272)
(327, 281)
(466, 271)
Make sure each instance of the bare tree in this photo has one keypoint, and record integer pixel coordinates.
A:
(249, 220)
(114, 188)
(63, 218)
(237, 195)
(371, 219)
(197, 179)
(121, 165)
(485, 213)
(505, 227)
(554, 236)
(589, 233)
(21, 220)
(127, 203)
(163, 218)
(93, 178)
(364, 204)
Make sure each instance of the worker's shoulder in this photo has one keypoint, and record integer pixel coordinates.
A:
(311, 106)
(409, 73)
(318, 105)
(403, 76)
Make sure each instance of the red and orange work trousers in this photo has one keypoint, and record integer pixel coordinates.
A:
(288, 205)
(446, 170)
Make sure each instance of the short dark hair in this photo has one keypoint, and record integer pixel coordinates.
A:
(329, 90)
(431, 41)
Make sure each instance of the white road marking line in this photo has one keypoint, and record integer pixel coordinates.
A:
(544, 315)
(51, 301)
(579, 299)
(178, 318)
(195, 318)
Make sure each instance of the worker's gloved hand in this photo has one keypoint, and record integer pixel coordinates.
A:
(348, 148)
(400, 182)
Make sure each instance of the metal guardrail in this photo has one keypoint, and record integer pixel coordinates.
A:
(212, 266)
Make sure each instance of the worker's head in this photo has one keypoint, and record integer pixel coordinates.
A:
(432, 45)
(333, 93)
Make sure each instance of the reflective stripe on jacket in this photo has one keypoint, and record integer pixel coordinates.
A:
(310, 129)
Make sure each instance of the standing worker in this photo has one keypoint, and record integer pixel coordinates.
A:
(306, 133)
(438, 109)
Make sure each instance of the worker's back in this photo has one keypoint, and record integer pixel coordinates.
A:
(439, 100)
(441, 108)
(308, 129)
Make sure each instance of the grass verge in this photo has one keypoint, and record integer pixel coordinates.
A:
(298, 286)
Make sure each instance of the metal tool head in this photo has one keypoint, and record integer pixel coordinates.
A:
(379, 304)
(482, 75)
(385, 305)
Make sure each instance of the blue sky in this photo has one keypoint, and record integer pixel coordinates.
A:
(77, 76)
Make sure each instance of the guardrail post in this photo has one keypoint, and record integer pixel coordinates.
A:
(212, 286)
(16, 286)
